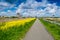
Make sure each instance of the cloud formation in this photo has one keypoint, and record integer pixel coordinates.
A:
(7, 9)
(33, 8)
(30, 8)
(8, 13)
(5, 5)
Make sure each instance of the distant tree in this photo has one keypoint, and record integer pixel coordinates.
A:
(13, 17)
(3, 16)
(0, 16)
(18, 14)
(53, 18)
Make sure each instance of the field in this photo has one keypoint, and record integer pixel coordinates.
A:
(53, 19)
(15, 29)
(53, 29)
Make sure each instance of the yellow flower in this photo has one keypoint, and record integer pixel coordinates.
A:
(16, 22)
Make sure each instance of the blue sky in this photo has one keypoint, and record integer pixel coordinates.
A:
(39, 8)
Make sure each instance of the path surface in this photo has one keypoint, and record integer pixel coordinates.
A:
(38, 32)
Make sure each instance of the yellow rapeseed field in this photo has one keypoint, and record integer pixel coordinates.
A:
(16, 23)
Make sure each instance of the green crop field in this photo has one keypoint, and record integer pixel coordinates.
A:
(15, 30)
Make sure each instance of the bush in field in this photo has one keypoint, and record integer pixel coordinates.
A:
(16, 32)
(13, 17)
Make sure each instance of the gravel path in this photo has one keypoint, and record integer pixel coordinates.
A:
(38, 32)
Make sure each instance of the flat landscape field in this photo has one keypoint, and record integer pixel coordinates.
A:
(53, 19)
(15, 29)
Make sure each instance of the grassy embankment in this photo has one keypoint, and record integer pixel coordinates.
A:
(15, 30)
(52, 28)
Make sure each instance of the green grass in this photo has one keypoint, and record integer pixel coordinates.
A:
(52, 28)
(15, 33)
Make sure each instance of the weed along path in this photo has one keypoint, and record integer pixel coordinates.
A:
(38, 32)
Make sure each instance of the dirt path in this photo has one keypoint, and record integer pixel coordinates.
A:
(38, 32)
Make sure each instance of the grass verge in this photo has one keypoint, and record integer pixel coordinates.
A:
(52, 28)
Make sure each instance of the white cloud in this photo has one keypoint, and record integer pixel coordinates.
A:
(5, 5)
(8, 13)
(34, 8)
